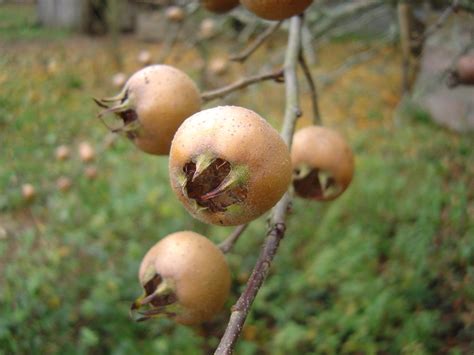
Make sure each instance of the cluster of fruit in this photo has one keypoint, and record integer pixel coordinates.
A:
(64, 183)
(227, 165)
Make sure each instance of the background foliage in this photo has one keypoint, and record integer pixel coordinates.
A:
(388, 268)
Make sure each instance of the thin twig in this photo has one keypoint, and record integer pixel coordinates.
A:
(277, 222)
(440, 21)
(240, 84)
(242, 57)
(340, 14)
(227, 245)
(356, 59)
(170, 41)
(317, 120)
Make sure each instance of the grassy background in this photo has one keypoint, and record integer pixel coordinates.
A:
(387, 268)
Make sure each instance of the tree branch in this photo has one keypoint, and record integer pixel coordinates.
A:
(240, 84)
(227, 245)
(277, 221)
(312, 87)
(440, 21)
(242, 57)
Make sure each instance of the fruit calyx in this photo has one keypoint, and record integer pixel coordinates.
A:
(122, 106)
(214, 183)
(314, 183)
(159, 298)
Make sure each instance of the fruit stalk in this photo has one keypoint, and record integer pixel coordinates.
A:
(278, 219)
(227, 245)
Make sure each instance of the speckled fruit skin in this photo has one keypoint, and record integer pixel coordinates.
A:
(163, 97)
(465, 69)
(324, 149)
(198, 270)
(219, 6)
(243, 138)
(276, 9)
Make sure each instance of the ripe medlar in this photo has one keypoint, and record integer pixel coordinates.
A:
(185, 277)
(144, 58)
(276, 9)
(323, 163)
(28, 192)
(175, 14)
(62, 152)
(219, 6)
(64, 184)
(228, 166)
(465, 69)
(152, 105)
(86, 152)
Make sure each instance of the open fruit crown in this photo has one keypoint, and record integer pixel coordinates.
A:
(184, 277)
(228, 166)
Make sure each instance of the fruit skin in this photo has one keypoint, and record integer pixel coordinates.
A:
(196, 268)
(326, 150)
(155, 101)
(245, 140)
(219, 6)
(465, 69)
(276, 9)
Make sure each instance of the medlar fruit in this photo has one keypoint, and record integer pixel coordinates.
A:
(28, 192)
(228, 166)
(175, 14)
(153, 103)
(276, 9)
(323, 163)
(465, 69)
(185, 277)
(219, 6)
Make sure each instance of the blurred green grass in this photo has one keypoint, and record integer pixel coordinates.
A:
(386, 269)
(19, 22)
